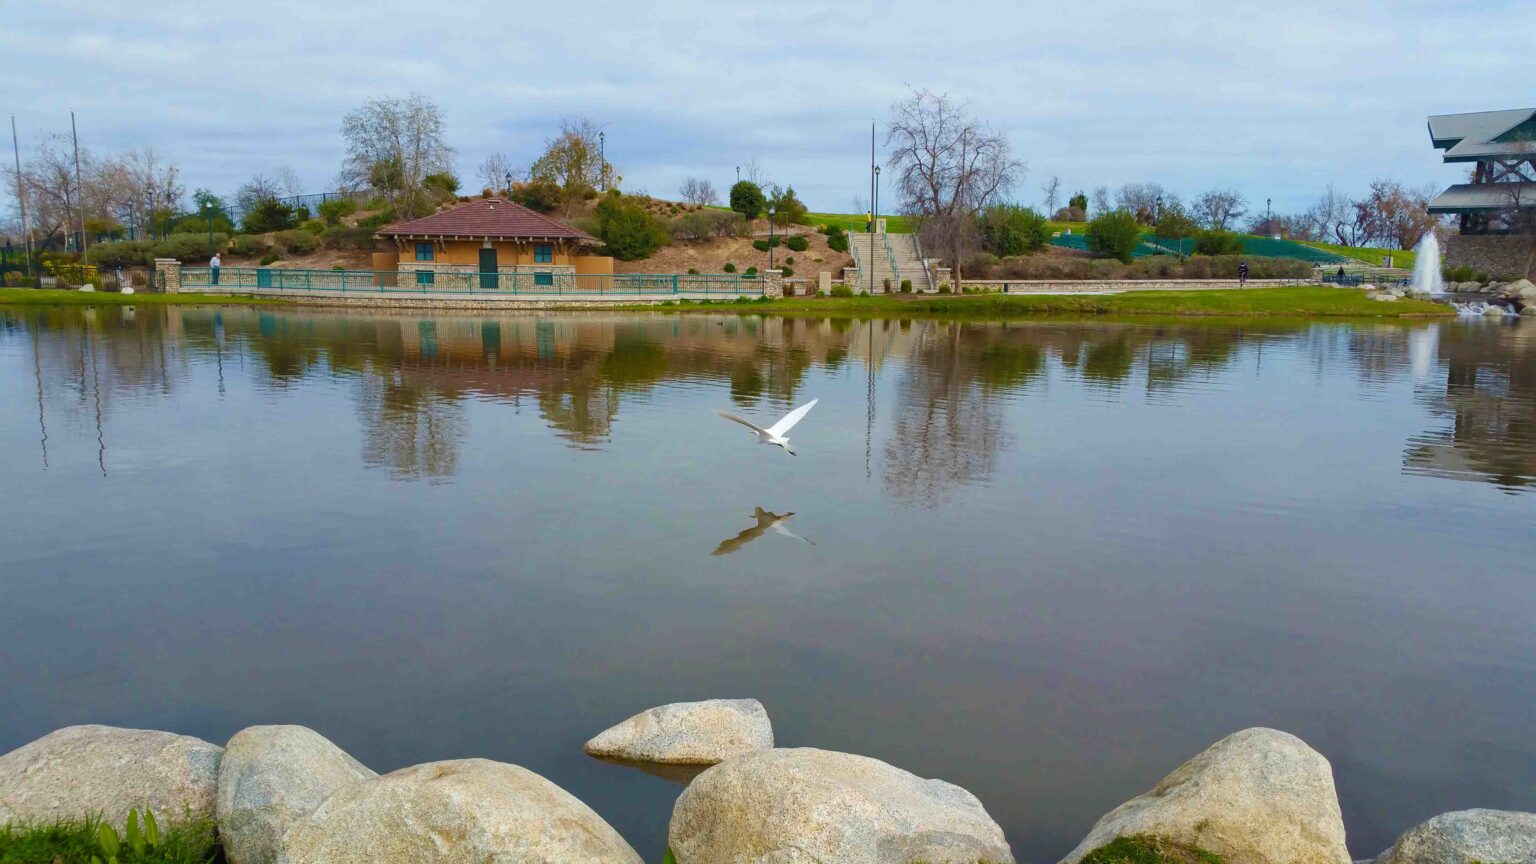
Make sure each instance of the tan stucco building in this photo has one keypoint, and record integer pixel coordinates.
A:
(499, 241)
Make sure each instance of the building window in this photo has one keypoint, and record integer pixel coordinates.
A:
(425, 277)
(545, 279)
(543, 253)
(423, 251)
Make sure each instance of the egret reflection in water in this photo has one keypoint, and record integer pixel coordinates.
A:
(766, 521)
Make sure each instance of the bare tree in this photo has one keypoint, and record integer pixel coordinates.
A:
(289, 180)
(1101, 200)
(1332, 215)
(698, 192)
(1140, 199)
(48, 179)
(494, 172)
(255, 190)
(754, 173)
(948, 166)
(1052, 190)
(572, 160)
(1219, 209)
(392, 145)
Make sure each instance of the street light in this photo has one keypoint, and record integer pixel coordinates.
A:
(1269, 222)
(602, 158)
(509, 182)
(208, 214)
(874, 221)
(771, 211)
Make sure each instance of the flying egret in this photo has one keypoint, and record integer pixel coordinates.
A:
(766, 521)
(777, 433)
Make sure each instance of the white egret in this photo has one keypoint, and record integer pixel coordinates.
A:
(777, 434)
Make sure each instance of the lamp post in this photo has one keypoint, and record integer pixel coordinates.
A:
(602, 159)
(771, 212)
(1269, 222)
(874, 225)
(738, 173)
(208, 214)
(509, 182)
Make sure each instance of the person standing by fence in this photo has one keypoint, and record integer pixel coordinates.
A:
(213, 269)
(1242, 274)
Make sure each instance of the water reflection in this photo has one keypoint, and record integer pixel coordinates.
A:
(766, 521)
(943, 427)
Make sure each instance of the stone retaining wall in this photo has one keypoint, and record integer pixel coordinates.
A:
(1502, 256)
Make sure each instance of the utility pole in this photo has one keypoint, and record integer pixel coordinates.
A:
(21, 196)
(871, 225)
(602, 158)
(80, 188)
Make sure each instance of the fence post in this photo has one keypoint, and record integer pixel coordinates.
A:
(169, 271)
(773, 283)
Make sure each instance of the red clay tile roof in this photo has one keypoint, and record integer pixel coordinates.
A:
(496, 218)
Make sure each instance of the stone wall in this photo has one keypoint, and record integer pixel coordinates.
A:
(1502, 256)
(170, 272)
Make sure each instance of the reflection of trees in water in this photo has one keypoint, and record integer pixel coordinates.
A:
(948, 428)
(412, 431)
(1489, 398)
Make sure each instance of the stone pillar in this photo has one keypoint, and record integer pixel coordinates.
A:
(941, 277)
(824, 282)
(168, 271)
(773, 283)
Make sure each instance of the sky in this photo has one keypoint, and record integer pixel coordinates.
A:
(1276, 100)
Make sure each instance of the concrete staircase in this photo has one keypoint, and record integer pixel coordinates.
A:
(896, 257)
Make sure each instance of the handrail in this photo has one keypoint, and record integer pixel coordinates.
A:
(890, 258)
(853, 246)
(917, 243)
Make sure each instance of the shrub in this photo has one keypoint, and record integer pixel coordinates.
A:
(628, 230)
(1114, 235)
(542, 195)
(1218, 243)
(906, 286)
(333, 211)
(1008, 229)
(296, 242)
(194, 222)
(787, 271)
(268, 258)
(693, 271)
(314, 226)
(842, 291)
(248, 245)
(787, 209)
(269, 214)
(1463, 273)
(187, 247)
(837, 240)
(126, 253)
(377, 220)
(943, 287)
(189, 841)
(750, 271)
(747, 199)
(798, 243)
(344, 237)
(702, 224)
(443, 183)
(729, 267)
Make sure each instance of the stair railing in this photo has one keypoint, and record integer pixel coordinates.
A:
(917, 243)
(890, 257)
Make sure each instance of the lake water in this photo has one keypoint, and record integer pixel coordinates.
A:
(1046, 561)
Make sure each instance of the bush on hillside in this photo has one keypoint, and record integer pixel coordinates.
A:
(269, 258)
(126, 253)
(542, 195)
(332, 212)
(188, 247)
(729, 267)
(344, 237)
(269, 214)
(750, 271)
(1218, 243)
(1114, 235)
(248, 245)
(377, 220)
(747, 199)
(314, 226)
(628, 229)
(787, 209)
(296, 242)
(704, 224)
(797, 243)
(837, 239)
(1008, 229)
(786, 271)
(842, 291)
(195, 222)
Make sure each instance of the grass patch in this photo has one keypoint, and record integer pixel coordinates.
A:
(1367, 255)
(76, 841)
(1147, 849)
(51, 297)
(1296, 302)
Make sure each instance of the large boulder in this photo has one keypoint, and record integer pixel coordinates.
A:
(1467, 836)
(1258, 796)
(806, 805)
(78, 771)
(680, 740)
(463, 811)
(270, 777)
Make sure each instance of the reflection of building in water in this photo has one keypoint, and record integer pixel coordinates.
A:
(1489, 397)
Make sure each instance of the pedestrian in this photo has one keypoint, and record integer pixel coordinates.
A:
(1242, 273)
(213, 268)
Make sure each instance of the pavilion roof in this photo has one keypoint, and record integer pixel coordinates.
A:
(488, 219)
(1484, 134)
(1483, 197)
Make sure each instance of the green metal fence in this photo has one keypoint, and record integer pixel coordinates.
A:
(275, 279)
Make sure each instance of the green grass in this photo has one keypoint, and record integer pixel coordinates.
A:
(1147, 849)
(51, 297)
(1372, 256)
(855, 221)
(75, 841)
(1297, 302)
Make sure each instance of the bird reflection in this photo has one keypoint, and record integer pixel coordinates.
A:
(766, 521)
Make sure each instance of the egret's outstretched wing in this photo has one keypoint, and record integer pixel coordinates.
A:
(783, 426)
(747, 423)
(778, 528)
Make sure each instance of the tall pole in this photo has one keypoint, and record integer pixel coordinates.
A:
(602, 158)
(79, 187)
(871, 225)
(21, 197)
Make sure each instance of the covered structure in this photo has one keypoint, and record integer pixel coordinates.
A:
(495, 238)
(1497, 204)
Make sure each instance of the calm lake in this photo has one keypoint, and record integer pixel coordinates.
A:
(1047, 561)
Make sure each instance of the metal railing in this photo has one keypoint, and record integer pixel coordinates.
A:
(854, 248)
(890, 257)
(574, 285)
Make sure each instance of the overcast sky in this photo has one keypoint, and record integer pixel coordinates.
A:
(1276, 99)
